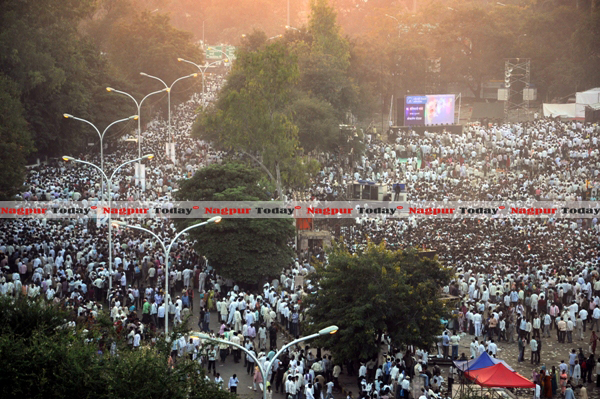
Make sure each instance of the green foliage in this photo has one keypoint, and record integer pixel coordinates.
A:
(42, 53)
(15, 139)
(146, 42)
(472, 46)
(586, 52)
(324, 67)
(254, 41)
(41, 359)
(247, 250)
(251, 115)
(376, 291)
(317, 123)
(56, 68)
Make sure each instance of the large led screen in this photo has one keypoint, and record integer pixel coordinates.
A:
(436, 109)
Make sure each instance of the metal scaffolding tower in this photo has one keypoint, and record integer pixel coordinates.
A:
(517, 73)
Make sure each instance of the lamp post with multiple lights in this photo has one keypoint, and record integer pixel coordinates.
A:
(69, 116)
(168, 90)
(202, 71)
(265, 371)
(109, 183)
(138, 106)
(167, 250)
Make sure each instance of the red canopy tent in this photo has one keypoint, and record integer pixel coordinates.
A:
(499, 376)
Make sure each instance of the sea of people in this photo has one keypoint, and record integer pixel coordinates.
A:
(516, 279)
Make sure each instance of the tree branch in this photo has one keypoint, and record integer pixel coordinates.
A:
(260, 163)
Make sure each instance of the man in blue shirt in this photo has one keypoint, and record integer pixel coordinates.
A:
(233, 383)
(445, 344)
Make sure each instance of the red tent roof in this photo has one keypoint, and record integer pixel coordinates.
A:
(499, 376)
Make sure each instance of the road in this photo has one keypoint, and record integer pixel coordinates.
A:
(229, 367)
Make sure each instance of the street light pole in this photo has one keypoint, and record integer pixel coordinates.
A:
(109, 183)
(167, 250)
(222, 52)
(69, 116)
(139, 111)
(168, 90)
(205, 66)
(263, 371)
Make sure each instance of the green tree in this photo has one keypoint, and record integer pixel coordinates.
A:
(51, 65)
(585, 49)
(15, 139)
(42, 358)
(317, 123)
(324, 65)
(246, 250)
(252, 115)
(373, 292)
(472, 45)
(147, 42)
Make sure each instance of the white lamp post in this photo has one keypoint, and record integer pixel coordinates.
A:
(263, 371)
(167, 250)
(168, 90)
(69, 116)
(202, 71)
(138, 106)
(109, 182)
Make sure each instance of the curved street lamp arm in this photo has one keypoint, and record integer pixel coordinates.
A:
(193, 75)
(222, 341)
(149, 232)
(150, 94)
(126, 163)
(128, 95)
(189, 62)
(113, 123)
(91, 164)
(89, 123)
(154, 77)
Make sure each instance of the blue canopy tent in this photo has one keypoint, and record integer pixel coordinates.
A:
(482, 361)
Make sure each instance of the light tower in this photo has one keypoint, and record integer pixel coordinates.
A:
(517, 92)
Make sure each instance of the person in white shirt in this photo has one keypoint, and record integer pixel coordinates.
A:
(473, 347)
(290, 386)
(595, 318)
(584, 315)
(219, 381)
(137, 339)
(477, 323)
(329, 386)
(492, 348)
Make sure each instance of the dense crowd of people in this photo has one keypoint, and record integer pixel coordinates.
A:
(517, 280)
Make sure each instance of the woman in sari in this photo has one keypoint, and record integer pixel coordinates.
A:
(548, 392)
(555, 380)
(563, 381)
(209, 300)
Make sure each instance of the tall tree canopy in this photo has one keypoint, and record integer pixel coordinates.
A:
(15, 138)
(251, 116)
(56, 59)
(373, 292)
(247, 250)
